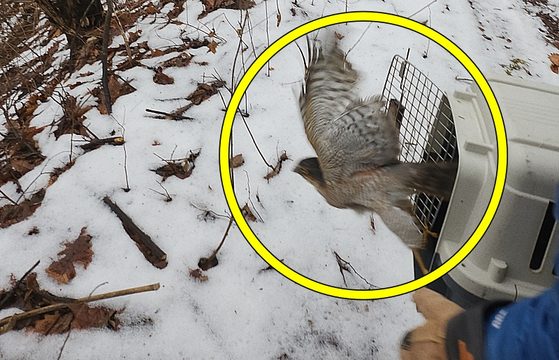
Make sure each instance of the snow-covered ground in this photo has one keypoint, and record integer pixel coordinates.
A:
(241, 311)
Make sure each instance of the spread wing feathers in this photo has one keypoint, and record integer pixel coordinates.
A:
(402, 224)
(348, 133)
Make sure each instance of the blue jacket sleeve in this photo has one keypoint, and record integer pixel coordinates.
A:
(528, 329)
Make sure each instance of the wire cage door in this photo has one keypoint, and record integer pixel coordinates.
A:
(426, 126)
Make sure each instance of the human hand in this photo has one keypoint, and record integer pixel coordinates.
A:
(428, 340)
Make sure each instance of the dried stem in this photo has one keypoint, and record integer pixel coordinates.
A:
(104, 56)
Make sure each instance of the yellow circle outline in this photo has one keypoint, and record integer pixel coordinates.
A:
(363, 17)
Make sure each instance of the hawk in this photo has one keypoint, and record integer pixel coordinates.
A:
(357, 148)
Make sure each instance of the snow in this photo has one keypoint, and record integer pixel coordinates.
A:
(241, 312)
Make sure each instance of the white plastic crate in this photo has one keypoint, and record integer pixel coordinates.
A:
(514, 259)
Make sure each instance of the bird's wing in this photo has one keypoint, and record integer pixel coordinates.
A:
(348, 133)
(402, 224)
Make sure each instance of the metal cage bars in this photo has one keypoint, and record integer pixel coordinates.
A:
(426, 126)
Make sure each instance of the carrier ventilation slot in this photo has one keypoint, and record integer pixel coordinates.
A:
(543, 240)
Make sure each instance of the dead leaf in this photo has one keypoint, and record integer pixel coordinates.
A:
(180, 168)
(212, 5)
(203, 92)
(176, 11)
(79, 251)
(156, 52)
(338, 35)
(56, 172)
(180, 61)
(197, 274)
(161, 78)
(212, 46)
(33, 231)
(554, 68)
(134, 36)
(195, 43)
(150, 9)
(12, 214)
(53, 323)
(86, 317)
(236, 161)
(247, 213)
(116, 89)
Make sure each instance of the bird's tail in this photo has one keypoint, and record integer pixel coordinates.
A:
(432, 178)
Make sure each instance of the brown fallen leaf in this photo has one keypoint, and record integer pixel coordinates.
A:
(197, 274)
(211, 5)
(180, 168)
(53, 324)
(11, 214)
(33, 231)
(116, 88)
(156, 52)
(203, 92)
(212, 46)
(56, 172)
(236, 161)
(86, 317)
(134, 36)
(161, 78)
(79, 251)
(150, 9)
(176, 11)
(182, 60)
(247, 213)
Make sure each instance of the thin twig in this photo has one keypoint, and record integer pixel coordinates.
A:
(223, 239)
(358, 40)
(423, 8)
(173, 116)
(7, 197)
(65, 340)
(267, 35)
(104, 57)
(250, 199)
(346, 265)
(213, 213)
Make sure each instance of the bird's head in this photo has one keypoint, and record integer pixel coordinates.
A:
(310, 170)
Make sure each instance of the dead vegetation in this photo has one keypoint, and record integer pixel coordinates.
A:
(548, 15)
(36, 68)
(48, 314)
